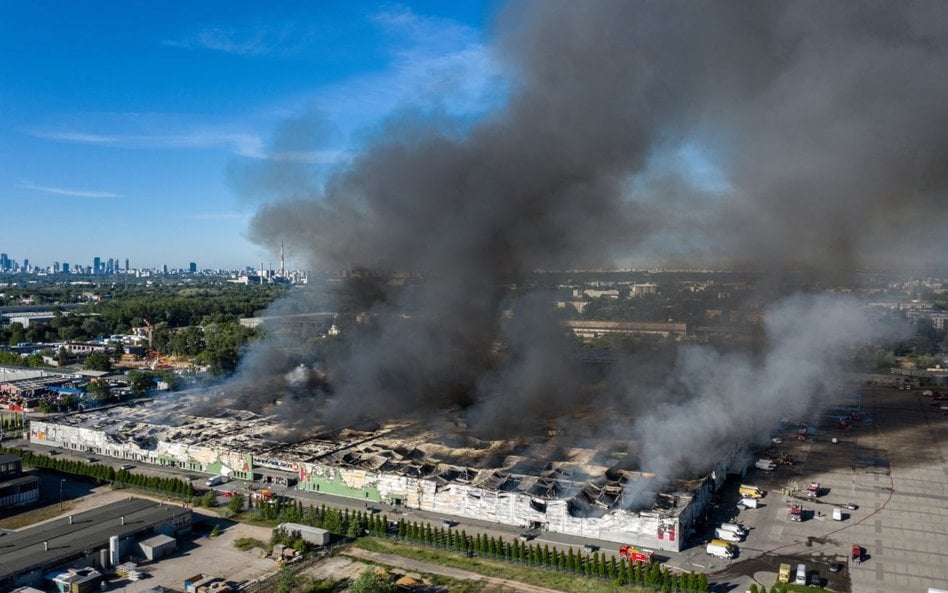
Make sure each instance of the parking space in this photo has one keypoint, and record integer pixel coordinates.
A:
(889, 462)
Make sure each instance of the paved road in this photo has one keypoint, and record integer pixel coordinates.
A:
(454, 573)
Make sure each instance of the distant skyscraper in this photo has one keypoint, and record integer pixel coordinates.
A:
(56, 267)
(164, 269)
(4, 261)
(65, 267)
(96, 265)
(193, 268)
(126, 264)
(26, 265)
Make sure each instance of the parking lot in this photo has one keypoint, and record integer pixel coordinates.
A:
(891, 463)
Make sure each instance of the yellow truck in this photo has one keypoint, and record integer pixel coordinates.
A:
(783, 575)
(751, 491)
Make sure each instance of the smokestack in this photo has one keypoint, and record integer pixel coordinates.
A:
(282, 261)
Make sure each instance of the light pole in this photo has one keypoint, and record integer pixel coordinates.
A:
(61, 482)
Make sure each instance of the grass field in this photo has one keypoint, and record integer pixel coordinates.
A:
(26, 518)
(496, 568)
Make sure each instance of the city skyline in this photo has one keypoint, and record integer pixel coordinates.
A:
(14, 263)
(143, 130)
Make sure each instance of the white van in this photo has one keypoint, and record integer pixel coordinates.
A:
(750, 503)
(719, 548)
(215, 481)
(801, 575)
(735, 527)
(728, 536)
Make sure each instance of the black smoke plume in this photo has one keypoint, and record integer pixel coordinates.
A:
(826, 121)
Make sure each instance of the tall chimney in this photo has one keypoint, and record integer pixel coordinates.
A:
(282, 261)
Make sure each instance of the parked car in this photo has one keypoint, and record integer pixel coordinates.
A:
(852, 506)
(590, 548)
(835, 566)
(126, 466)
(91, 459)
(526, 536)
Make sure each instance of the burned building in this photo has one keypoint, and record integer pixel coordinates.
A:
(553, 485)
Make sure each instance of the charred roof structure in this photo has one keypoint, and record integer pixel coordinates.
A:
(563, 488)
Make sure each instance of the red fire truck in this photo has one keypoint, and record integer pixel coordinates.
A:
(635, 555)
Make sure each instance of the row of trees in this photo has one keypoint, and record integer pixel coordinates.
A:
(596, 564)
(12, 422)
(354, 524)
(104, 473)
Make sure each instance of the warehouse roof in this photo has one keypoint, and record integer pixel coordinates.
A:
(52, 543)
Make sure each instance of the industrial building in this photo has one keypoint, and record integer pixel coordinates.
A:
(16, 488)
(553, 485)
(97, 538)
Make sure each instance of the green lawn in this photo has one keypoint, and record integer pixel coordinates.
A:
(496, 568)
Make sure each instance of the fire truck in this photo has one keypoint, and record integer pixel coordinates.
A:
(813, 490)
(635, 555)
(796, 513)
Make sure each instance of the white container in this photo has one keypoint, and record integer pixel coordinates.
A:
(837, 514)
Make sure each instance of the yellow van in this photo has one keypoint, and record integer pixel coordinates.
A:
(751, 491)
(784, 575)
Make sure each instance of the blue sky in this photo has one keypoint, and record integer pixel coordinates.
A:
(131, 129)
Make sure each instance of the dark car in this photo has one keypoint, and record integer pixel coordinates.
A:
(852, 506)
(835, 566)
(590, 548)
(91, 459)
(525, 536)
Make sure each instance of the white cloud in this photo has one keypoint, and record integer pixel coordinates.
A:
(250, 41)
(60, 191)
(217, 216)
(434, 62)
(239, 142)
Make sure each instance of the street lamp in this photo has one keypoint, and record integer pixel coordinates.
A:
(61, 482)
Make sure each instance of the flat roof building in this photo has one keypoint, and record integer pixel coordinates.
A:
(27, 555)
(554, 484)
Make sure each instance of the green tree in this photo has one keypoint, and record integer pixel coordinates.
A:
(372, 582)
(140, 383)
(98, 361)
(236, 503)
(99, 390)
(209, 499)
(17, 334)
(287, 581)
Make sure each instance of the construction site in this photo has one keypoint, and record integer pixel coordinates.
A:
(550, 485)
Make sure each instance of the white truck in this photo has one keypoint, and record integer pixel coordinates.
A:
(728, 536)
(766, 465)
(750, 503)
(720, 548)
(736, 528)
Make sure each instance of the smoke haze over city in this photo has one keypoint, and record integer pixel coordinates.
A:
(824, 124)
